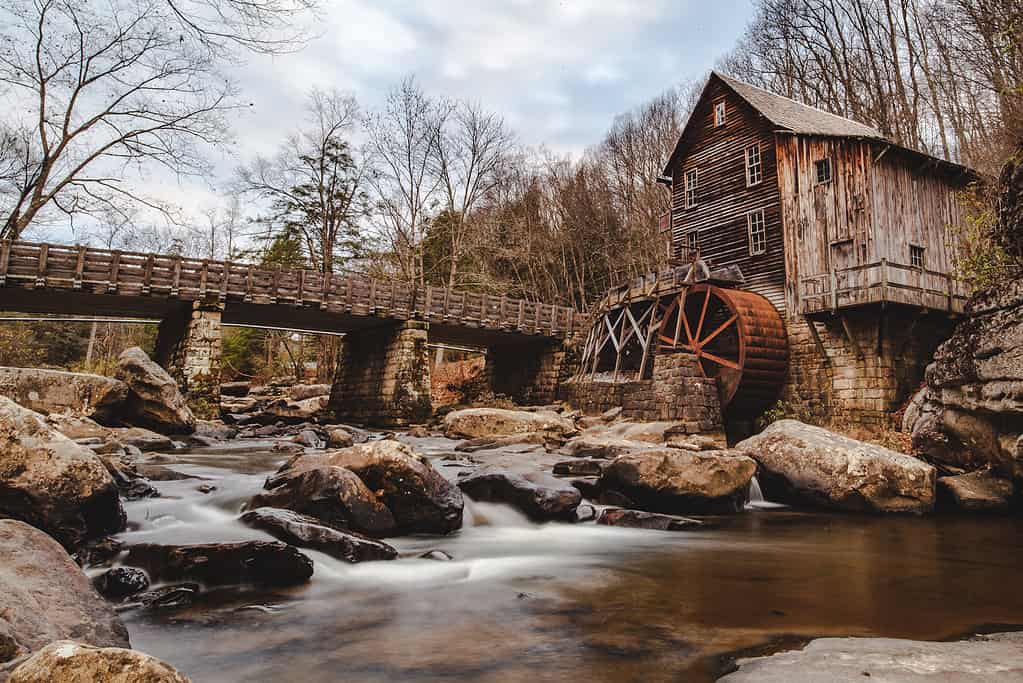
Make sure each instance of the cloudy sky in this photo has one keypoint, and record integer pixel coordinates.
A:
(557, 70)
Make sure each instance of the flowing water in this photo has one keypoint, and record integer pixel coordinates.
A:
(525, 602)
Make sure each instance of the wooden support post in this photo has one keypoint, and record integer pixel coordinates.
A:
(79, 268)
(522, 315)
(147, 277)
(372, 297)
(115, 263)
(225, 280)
(834, 291)
(325, 290)
(248, 284)
(275, 283)
(300, 298)
(40, 280)
(348, 293)
(428, 306)
(203, 277)
(850, 337)
(5, 260)
(176, 281)
(815, 335)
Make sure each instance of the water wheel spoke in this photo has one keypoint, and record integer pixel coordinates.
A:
(721, 328)
(720, 361)
(703, 313)
(689, 331)
(681, 317)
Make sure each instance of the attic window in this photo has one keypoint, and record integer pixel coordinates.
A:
(719, 113)
(823, 170)
(692, 178)
(916, 256)
(754, 167)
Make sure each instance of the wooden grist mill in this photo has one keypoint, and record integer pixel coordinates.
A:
(737, 336)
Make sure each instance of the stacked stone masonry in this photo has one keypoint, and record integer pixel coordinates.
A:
(864, 378)
(189, 346)
(677, 392)
(530, 373)
(384, 376)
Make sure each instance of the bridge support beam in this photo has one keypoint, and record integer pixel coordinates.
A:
(531, 373)
(383, 377)
(188, 346)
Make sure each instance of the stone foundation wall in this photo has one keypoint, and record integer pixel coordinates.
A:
(531, 373)
(383, 377)
(677, 393)
(863, 383)
(189, 347)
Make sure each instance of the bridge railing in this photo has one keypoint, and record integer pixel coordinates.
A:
(33, 265)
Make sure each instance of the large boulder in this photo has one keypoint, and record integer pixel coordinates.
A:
(67, 661)
(298, 411)
(673, 481)
(55, 391)
(46, 597)
(975, 492)
(334, 495)
(154, 400)
(53, 483)
(800, 463)
(538, 496)
(421, 500)
(267, 563)
(308, 532)
(995, 657)
(472, 423)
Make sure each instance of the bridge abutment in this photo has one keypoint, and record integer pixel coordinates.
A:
(383, 377)
(188, 346)
(530, 373)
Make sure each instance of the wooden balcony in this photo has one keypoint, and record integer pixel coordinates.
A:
(883, 281)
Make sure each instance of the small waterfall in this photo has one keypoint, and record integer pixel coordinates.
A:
(755, 498)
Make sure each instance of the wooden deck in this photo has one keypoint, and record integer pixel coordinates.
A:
(883, 281)
(52, 267)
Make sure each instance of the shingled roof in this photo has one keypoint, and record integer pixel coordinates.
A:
(798, 118)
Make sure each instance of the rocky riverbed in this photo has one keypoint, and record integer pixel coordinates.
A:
(492, 545)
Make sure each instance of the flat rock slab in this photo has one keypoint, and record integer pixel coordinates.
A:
(308, 532)
(267, 563)
(473, 423)
(975, 492)
(44, 596)
(56, 391)
(636, 519)
(997, 657)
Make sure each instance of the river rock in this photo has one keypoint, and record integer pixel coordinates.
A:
(647, 432)
(56, 391)
(66, 661)
(300, 392)
(472, 423)
(537, 496)
(484, 443)
(339, 438)
(298, 411)
(603, 446)
(234, 389)
(672, 480)
(120, 582)
(803, 463)
(215, 429)
(49, 481)
(975, 492)
(996, 657)
(307, 532)
(421, 500)
(334, 495)
(46, 597)
(637, 519)
(579, 468)
(154, 400)
(267, 563)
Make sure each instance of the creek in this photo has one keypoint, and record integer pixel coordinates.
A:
(520, 601)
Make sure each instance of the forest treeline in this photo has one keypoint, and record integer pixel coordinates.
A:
(431, 190)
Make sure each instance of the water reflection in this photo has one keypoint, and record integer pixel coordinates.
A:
(527, 602)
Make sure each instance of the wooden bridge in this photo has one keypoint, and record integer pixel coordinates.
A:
(39, 277)
(384, 373)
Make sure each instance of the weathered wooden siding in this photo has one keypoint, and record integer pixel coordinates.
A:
(723, 200)
(870, 213)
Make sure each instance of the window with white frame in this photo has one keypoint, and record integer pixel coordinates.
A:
(692, 180)
(823, 170)
(757, 226)
(719, 113)
(754, 167)
(916, 256)
(693, 240)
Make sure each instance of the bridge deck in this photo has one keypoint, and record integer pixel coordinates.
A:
(61, 278)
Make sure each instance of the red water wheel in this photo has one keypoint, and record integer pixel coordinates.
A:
(738, 338)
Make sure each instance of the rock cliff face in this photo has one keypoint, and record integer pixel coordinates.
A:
(970, 414)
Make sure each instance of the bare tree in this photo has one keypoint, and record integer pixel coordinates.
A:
(403, 142)
(314, 185)
(260, 26)
(104, 89)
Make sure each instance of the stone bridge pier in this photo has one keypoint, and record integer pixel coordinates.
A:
(530, 373)
(188, 346)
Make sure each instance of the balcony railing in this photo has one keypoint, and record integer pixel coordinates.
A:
(883, 281)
